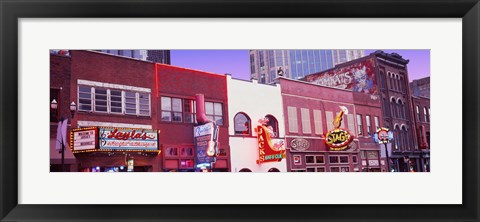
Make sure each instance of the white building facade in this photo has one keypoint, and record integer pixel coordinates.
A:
(248, 102)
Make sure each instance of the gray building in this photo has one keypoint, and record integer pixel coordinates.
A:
(296, 64)
(420, 87)
(159, 56)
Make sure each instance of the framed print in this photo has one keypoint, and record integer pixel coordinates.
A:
(338, 136)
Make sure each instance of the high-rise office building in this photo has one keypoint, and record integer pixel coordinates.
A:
(295, 64)
(159, 56)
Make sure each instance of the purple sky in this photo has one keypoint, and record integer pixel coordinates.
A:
(236, 62)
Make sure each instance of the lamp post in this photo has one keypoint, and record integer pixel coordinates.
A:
(54, 108)
(384, 135)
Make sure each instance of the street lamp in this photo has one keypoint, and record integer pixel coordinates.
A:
(54, 108)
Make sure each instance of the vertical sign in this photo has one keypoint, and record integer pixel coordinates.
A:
(206, 145)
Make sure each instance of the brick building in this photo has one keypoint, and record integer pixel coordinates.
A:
(114, 94)
(384, 75)
(175, 91)
(309, 113)
(422, 125)
(60, 92)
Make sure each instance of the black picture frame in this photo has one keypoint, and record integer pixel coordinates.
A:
(11, 11)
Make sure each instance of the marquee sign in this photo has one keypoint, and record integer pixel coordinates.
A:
(269, 150)
(339, 139)
(127, 138)
(84, 139)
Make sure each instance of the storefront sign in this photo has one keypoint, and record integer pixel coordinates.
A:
(299, 144)
(269, 150)
(206, 144)
(383, 135)
(358, 77)
(127, 138)
(373, 163)
(338, 139)
(83, 139)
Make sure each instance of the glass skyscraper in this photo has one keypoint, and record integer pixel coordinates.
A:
(296, 64)
(160, 56)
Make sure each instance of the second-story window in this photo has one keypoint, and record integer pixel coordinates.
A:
(359, 125)
(241, 124)
(171, 109)
(114, 101)
(214, 111)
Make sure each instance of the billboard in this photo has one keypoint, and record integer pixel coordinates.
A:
(83, 139)
(358, 77)
(206, 145)
(127, 138)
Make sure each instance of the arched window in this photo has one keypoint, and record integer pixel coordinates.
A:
(427, 118)
(398, 136)
(272, 121)
(393, 108)
(404, 138)
(418, 113)
(242, 124)
(401, 109)
(245, 170)
(273, 170)
(382, 80)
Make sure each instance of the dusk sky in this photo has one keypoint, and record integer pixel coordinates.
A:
(236, 62)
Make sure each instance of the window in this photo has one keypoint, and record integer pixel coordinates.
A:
(343, 159)
(354, 159)
(344, 169)
(171, 151)
(309, 159)
(329, 117)
(310, 169)
(369, 125)
(130, 103)
(319, 159)
(382, 80)
(100, 100)
(292, 119)
(214, 111)
(189, 111)
(377, 125)
(334, 169)
(114, 101)
(84, 98)
(418, 113)
(245, 170)
(359, 125)
(317, 119)
(333, 159)
(393, 108)
(351, 123)
(252, 63)
(273, 123)
(306, 128)
(241, 124)
(320, 169)
(171, 109)
(186, 151)
(427, 119)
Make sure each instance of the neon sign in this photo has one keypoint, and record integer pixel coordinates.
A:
(269, 150)
(383, 135)
(338, 139)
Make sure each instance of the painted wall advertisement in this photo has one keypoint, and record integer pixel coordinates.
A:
(358, 77)
(206, 144)
(128, 138)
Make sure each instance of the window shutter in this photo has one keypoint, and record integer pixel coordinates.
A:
(317, 119)
(306, 128)
(292, 119)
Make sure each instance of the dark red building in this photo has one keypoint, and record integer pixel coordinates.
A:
(384, 75)
(421, 107)
(115, 93)
(121, 100)
(175, 91)
(309, 112)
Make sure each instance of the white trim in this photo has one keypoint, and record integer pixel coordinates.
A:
(323, 100)
(110, 124)
(112, 86)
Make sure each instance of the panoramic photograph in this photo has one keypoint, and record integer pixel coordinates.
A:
(257, 110)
